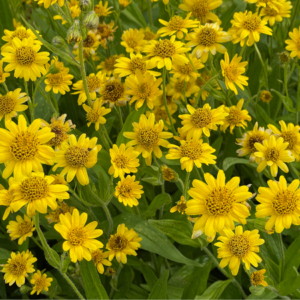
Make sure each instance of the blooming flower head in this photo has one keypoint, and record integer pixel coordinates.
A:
(3, 75)
(265, 96)
(293, 43)
(25, 59)
(149, 35)
(274, 4)
(180, 206)
(108, 65)
(232, 71)
(179, 89)
(76, 156)
(147, 137)
(207, 38)
(257, 278)
(18, 267)
(106, 33)
(96, 114)
(124, 161)
(123, 243)
(279, 202)
(62, 208)
(133, 40)
(20, 229)
(128, 191)
(238, 246)
(40, 282)
(47, 3)
(6, 198)
(202, 120)
(274, 154)
(90, 43)
(80, 238)
(102, 10)
(100, 258)
(218, 203)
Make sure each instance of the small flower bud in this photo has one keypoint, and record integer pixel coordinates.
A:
(24, 289)
(85, 5)
(74, 33)
(110, 272)
(58, 42)
(91, 21)
(168, 174)
(284, 57)
(266, 96)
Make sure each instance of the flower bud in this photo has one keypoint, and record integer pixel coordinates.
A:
(85, 5)
(266, 96)
(24, 289)
(58, 42)
(91, 21)
(284, 57)
(74, 33)
(168, 174)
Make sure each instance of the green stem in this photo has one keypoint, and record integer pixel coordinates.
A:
(262, 64)
(5, 87)
(62, 14)
(186, 185)
(120, 115)
(104, 141)
(37, 243)
(294, 169)
(71, 283)
(217, 168)
(244, 47)
(67, 9)
(30, 105)
(198, 174)
(282, 256)
(229, 103)
(106, 135)
(285, 79)
(181, 183)
(150, 13)
(36, 87)
(51, 104)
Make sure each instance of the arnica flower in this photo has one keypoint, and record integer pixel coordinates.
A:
(257, 278)
(124, 161)
(133, 40)
(124, 3)
(202, 120)
(90, 43)
(80, 238)
(6, 198)
(218, 203)
(107, 66)
(110, 271)
(190, 152)
(47, 3)
(249, 139)
(100, 258)
(236, 117)
(181, 89)
(266, 3)
(149, 35)
(76, 156)
(40, 282)
(123, 243)
(177, 25)
(128, 191)
(293, 43)
(274, 154)
(232, 71)
(147, 137)
(127, 66)
(20, 229)
(23, 148)
(12, 103)
(281, 203)
(62, 208)
(207, 38)
(201, 9)
(96, 114)
(37, 191)
(3, 75)
(60, 79)
(238, 246)
(161, 52)
(168, 173)
(24, 58)
(16, 23)
(247, 25)
(265, 96)
(18, 267)
(143, 88)
(106, 33)
(102, 10)
(290, 134)
(61, 128)
(180, 206)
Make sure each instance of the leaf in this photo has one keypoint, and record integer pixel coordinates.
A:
(2, 287)
(263, 118)
(230, 161)
(257, 290)
(149, 274)
(215, 290)
(159, 290)
(124, 281)
(288, 286)
(92, 284)
(292, 258)
(157, 202)
(267, 294)
(52, 257)
(152, 180)
(4, 256)
(287, 102)
(133, 13)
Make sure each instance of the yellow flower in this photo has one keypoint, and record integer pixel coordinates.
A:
(47, 3)
(62, 208)
(16, 23)
(238, 246)
(11, 103)
(60, 80)
(110, 271)
(80, 238)
(180, 206)
(147, 137)
(266, 3)
(102, 10)
(18, 267)
(95, 114)
(257, 278)
(246, 24)
(294, 43)
(123, 243)
(76, 156)
(90, 43)
(201, 9)
(6, 198)
(161, 52)
(23, 149)
(99, 258)
(128, 191)
(20, 229)
(40, 282)
(24, 57)
(124, 161)
(218, 203)
(180, 88)
(106, 33)
(124, 3)
(149, 34)
(207, 38)
(3, 75)
(281, 202)
(249, 139)
(161, 114)
(108, 65)
(202, 120)
(273, 154)
(177, 25)
(190, 152)
(168, 174)
(266, 96)
(232, 71)
(133, 40)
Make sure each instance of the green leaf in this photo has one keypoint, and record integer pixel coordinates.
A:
(152, 180)
(159, 290)
(267, 294)
(288, 286)
(54, 288)
(133, 13)
(292, 258)
(215, 290)
(157, 202)
(287, 102)
(149, 274)
(124, 281)
(263, 118)
(2, 287)
(230, 161)
(92, 284)
(52, 257)
(257, 290)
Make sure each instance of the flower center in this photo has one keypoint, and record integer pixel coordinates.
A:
(176, 23)
(164, 49)
(200, 10)
(88, 42)
(252, 23)
(7, 104)
(20, 33)
(56, 79)
(92, 116)
(104, 31)
(234, 116)
(201, 117)
(60, 135)
(138, 64)
(117, 242)
(285, 202)
(291, 138)
(239, 245)
(258, 138)
(168, 174)
(126, 190)
(132, 43)
(257, 278)
(186, 69)
(24, 146)
(76, 156)
(34, 188)
(97, 256)
(77, 236)
(144, 91)
(207, 37)
(25, 56)
(113, 91)
(109, 63)
(192, 150)
(272, 154)
(270, 11)
(231, 72)
(121, 161)
(40, 283)
(94, 83)
(148, 35)
(148, 137)
(17, 267)
(24, 227)
(181, 207)
(266, 96)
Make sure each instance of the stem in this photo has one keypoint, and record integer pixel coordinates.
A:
(65, 276)
(37, 243)
(120, 115)
(155, 263)
(104, 141)
(36, 87)
(294, 169)
(186, 185)
(5, 87)
(150, 13)
(262, 64)
(51, 104)
(198, 174)
(63, 15)
(217, 168)
(181, 183)
(67, 9)
(285, 80)
(107, 136)
(30, 105)
(282, 256)
(244, 47)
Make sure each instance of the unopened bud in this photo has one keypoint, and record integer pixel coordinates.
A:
(58, 42)
(85, 5)
(169, 174)
(91, 21)
(74, 33)
(24, 289)
(284, 57)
